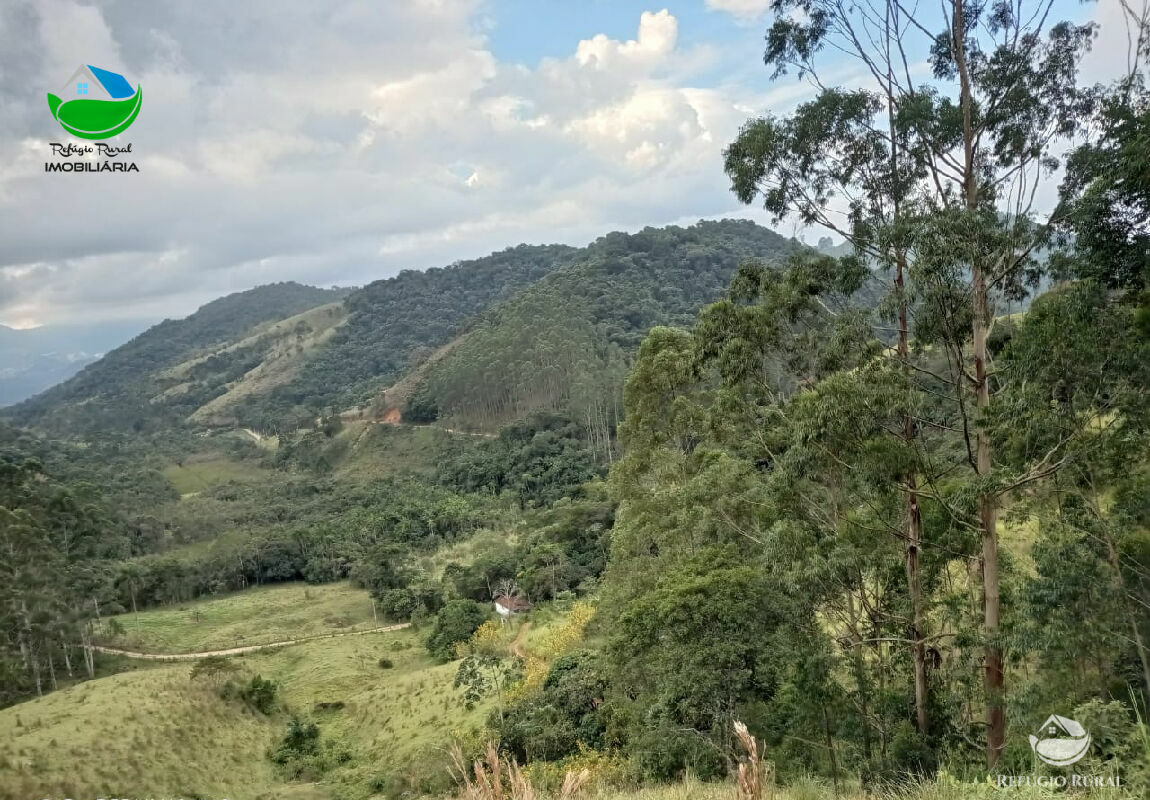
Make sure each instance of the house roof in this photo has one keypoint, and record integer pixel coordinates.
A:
(512, 603)
(114, 83)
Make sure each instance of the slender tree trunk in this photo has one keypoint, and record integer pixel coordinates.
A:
(32, 658)
(25, 655)
(89, 658)
(1141, 654)
(52, 670)
(860, 678)
(988, 522)
(993, 674)
(67, 656)
(913, 532)
(1120, 587)
(913, 523)
(831, 750)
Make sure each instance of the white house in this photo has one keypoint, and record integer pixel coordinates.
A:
(509, 606)
(93, 83)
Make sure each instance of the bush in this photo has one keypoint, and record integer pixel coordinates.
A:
(258, 693)
(301, 754)
(664, 754)
(385, 663)
(563, 718)
(213, 668)
(397, 603)
(454, 623)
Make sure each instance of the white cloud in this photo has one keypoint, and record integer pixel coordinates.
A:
(658, 33)
(744, 10)
(280, 143)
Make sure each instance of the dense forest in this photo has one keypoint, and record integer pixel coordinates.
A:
(848, 512)
(565, 343)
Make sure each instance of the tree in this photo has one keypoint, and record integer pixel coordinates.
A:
(455, 623)
(936, 179)
(481, 674)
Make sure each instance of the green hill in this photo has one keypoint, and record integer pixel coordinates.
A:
(393, 325)
(130, 388)
(565, 343)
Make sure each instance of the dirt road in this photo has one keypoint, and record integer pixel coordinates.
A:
(234, 651)
(517, 646)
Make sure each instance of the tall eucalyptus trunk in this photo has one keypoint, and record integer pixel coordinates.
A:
(993, 678)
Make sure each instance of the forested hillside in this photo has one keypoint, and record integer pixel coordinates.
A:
(393, 325)
(566, 342)
(125, 390)
(548, 328)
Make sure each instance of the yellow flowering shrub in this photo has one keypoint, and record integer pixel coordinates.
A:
(555, 643)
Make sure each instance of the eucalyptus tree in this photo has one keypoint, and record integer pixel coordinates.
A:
(932, 174)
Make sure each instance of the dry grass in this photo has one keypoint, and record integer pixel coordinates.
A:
(754, 774)
(495, 778)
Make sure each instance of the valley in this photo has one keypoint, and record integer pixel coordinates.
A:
(685, 512)
(309, 597)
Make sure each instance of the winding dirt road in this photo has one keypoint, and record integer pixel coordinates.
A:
(234, 651)
(518, 645)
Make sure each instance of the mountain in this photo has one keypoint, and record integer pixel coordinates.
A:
(565, 343)
(393, 325)
(33, 359)
(484, 341)
(141, 384)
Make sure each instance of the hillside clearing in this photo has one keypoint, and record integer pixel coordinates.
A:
(258, 616)
(196, 475)
(236, 651)
(154, 732)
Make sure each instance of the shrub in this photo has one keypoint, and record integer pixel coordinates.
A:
(454, 623)
(257, 693)
(260, 694)
(667, 754)
(213, 668)
(386, 663)
(397, 603)
(562, 716)
(302, 756)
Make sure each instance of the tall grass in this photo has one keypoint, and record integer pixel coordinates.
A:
(493, 777)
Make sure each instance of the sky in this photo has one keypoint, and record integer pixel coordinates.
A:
(342, 142)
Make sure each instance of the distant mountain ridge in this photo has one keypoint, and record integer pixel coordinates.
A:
(123, 391)
(548, 327)
(34, 359)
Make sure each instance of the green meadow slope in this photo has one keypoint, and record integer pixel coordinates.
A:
(152, 730)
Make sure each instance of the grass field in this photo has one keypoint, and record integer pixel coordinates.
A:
(197, 475)
(255, 616)
(374, 450)
(154, 732)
